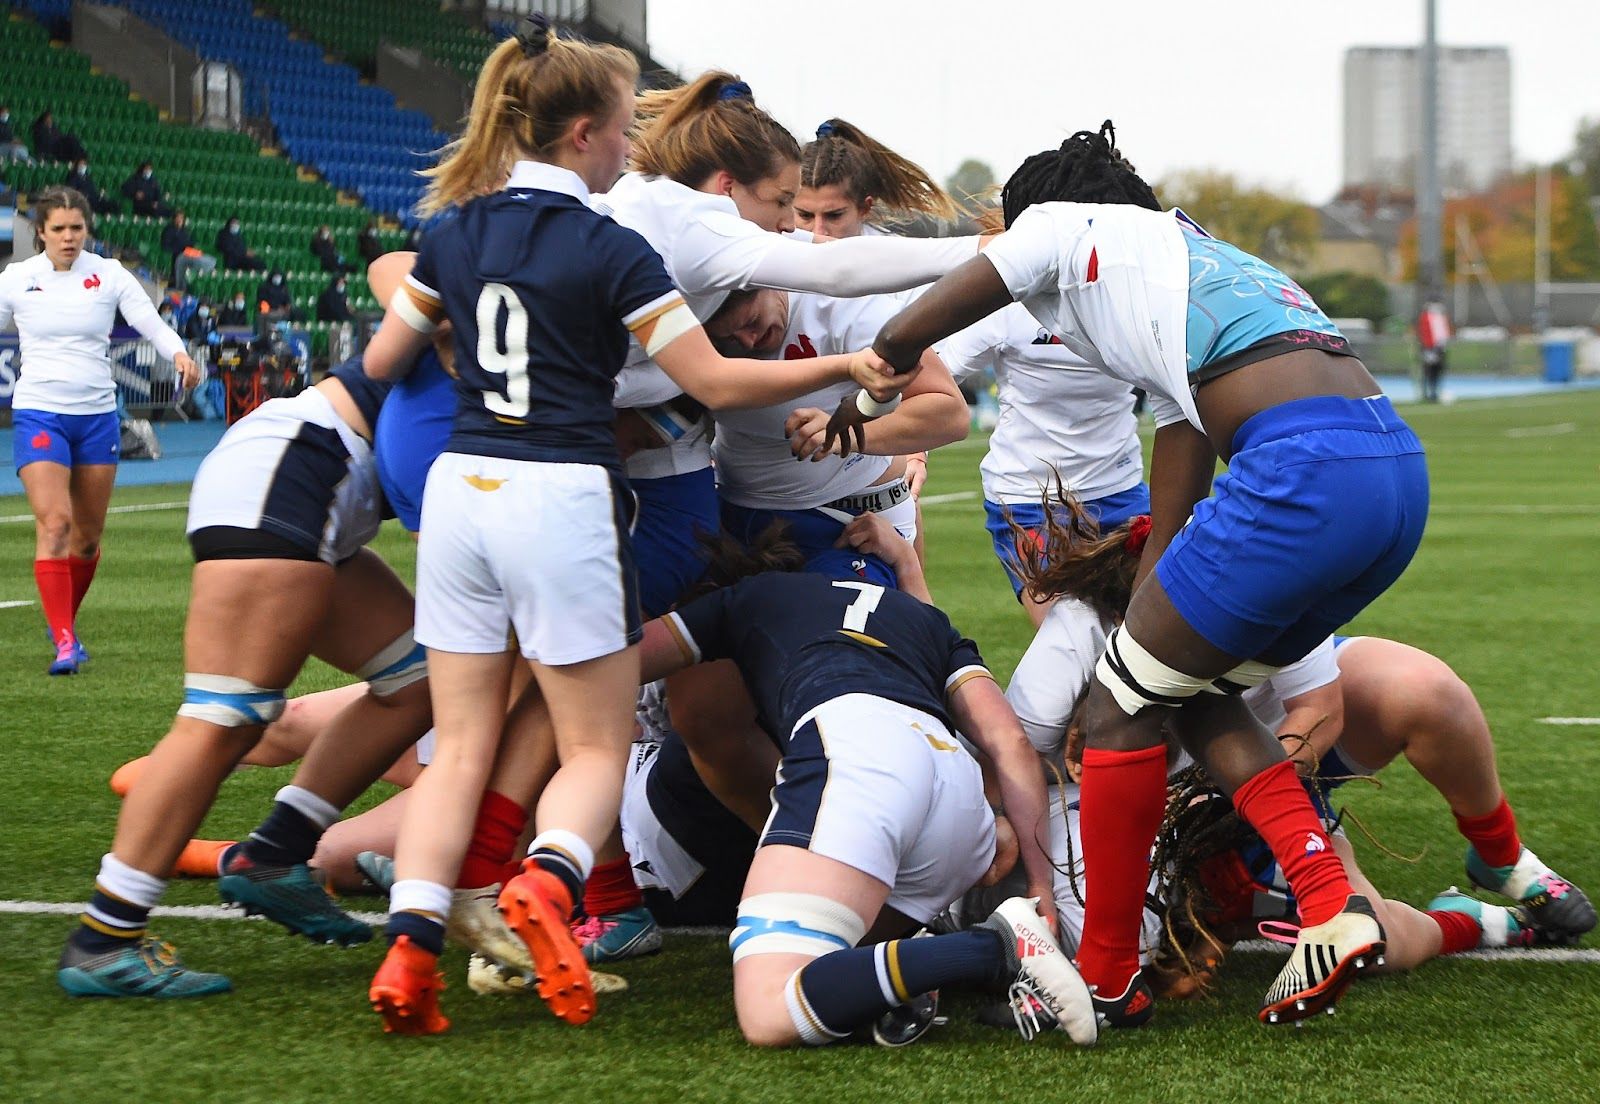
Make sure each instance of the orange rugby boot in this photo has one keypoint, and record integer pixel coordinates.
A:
(405, 991)
(538, 908)
(123, 778)
(200, 858)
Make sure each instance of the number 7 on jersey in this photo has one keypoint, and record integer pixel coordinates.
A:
(857, 612)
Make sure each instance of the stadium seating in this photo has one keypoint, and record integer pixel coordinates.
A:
(354, 28)
(326, 116)
(211, 174)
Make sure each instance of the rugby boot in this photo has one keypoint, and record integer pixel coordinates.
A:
(1043, 979)
(538, 908)
(1324, 961)
(201, 858)
(66, 661)
(405, 991)
(123, 778)
(1500, 927)
(1554, 905)
(904, 1024)
(146, 967)
(292, 897)
(487, 978)
(377, 869)
(1133, 1007)
(475, 923)
(79, 650)
(618, 935)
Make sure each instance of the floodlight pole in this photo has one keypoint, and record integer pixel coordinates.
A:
(1430, 247)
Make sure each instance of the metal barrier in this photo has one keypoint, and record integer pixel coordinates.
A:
(148, 385)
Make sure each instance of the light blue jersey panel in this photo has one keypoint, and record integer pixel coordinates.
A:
(1236, 300)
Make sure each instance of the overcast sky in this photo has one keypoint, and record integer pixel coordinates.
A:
(1253, 87)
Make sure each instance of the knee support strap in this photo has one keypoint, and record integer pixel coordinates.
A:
(229, 702)
(396, 667)
(1138, 679)
(793, 923)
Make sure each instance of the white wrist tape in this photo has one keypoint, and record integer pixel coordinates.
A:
(871, 407)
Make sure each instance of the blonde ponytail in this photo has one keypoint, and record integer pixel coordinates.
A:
(529, 92)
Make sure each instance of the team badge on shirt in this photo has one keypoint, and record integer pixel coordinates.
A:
(92, 282)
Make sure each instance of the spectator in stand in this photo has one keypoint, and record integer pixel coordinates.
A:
(235, 251)
(81, 182)
(273, 301)
(1433, 341)
(202, 325)
(413, 240)
(235, 312)
(51, 143)
(143, 191)
(332, 306)
(11, 147)
(369, 244)
(326, 250)
(177, 241)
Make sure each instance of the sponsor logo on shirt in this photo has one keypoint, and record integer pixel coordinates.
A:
(33, 285)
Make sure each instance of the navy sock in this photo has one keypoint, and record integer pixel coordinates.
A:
(285, 838)
(560, 864)
(843, 991)
(109, 923)
(424, 932)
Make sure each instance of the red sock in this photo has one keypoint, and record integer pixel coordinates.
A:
(54, 578)
(611, 889)
(1493, 835)
(494, 838)
(1461, 932)
(82, 576)
(1120, 807)
(1275, 804)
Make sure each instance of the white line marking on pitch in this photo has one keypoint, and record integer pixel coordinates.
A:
(1254, 946)
(1556, 430)
(1570, 720)
(137, 508)
(16, 605)
(1516, 508)
(941, 499)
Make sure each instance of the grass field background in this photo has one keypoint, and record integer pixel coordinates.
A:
(1506, 588)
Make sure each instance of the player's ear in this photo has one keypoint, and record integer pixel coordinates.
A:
(722, 182)
(582, 130)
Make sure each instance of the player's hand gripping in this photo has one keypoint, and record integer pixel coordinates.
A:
(188, 371)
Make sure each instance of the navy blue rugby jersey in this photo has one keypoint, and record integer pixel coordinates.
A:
(801, 639)
(542, 292)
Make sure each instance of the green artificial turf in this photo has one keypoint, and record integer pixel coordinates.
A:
(1506, 588)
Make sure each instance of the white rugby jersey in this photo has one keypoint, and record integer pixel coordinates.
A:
(710, 251)
(1111, 280)
(64, 321)
(1057, 414)
(1055, 671)
(754, 465)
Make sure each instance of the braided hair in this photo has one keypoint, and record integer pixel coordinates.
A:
(1086, 168)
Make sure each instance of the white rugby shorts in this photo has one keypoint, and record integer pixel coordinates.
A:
(517, 544)
(887, 789)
